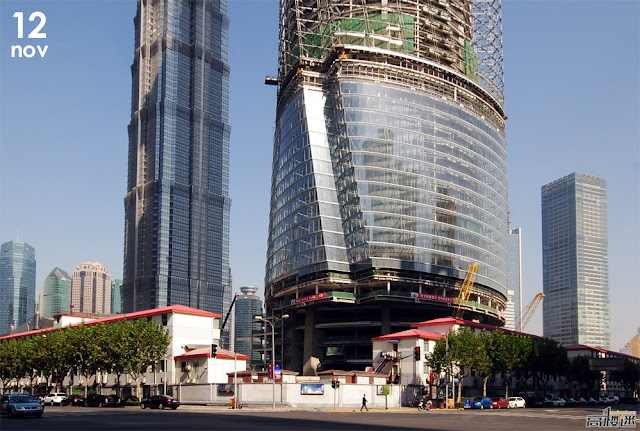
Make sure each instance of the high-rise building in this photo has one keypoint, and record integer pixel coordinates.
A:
(55, 295)
(116, 297)
(389, 172)
(575, 261)
(91, 289)
(634, 345)
(177, 203)
(514, 294)
(17, 284)
(248, 335)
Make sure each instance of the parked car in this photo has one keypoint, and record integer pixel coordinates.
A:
(613, 399)
(603, 401)
(20, 405)
(76, 400)
(165, 401)
(581, 401)
(54, 398)
(516, 403)
(101, 401)
(481, 403)
(131, 400)
(554, 401)
(570, 402)
(592, 402)
(499, 403)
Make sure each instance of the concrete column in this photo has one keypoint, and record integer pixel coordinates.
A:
(309, 361)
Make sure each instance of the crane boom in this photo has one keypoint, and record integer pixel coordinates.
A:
(228, 312)
(465, 291)
(527, 314)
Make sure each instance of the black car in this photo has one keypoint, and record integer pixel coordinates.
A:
(101, 401)
(76, 400)
(160, 402)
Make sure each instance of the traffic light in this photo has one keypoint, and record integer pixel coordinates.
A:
(416, 353)
(335, 384)
(214, 350)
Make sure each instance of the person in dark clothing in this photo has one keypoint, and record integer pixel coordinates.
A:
(364, 402)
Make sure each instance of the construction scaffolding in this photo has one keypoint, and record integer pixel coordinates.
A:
(460, 35)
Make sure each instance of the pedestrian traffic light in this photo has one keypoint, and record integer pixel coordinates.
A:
(214, 350)
(416, 353)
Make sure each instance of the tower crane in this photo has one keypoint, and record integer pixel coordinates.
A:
(465, 291)
(526, 315)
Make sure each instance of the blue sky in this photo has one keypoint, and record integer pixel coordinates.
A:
(571, 93)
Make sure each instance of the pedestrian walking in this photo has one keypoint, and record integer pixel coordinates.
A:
(364, 402)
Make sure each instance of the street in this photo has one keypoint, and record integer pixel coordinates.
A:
(205, 418)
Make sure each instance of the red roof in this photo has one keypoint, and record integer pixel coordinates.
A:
(409, 333)
(598, 349)
(180, 309)
(206, 352)
(462, 322)
(335, 373)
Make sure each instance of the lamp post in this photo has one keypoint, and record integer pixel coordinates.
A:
(273, 351)
(448, 372)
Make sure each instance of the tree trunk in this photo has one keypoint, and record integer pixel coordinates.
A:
(459, 390)
(484, 386)
(506, 389)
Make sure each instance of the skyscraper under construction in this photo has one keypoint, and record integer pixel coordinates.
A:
(177, 203)
(389, 173)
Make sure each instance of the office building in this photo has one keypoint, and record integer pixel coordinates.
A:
(248, 335)
(90, 289)
(17, 284)
(177, 203)
(575, 261)
(389, 173)
(633, 346)
(116, 297)
(514, 293)
(55, 295)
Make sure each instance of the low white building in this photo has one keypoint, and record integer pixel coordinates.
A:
(188, 360)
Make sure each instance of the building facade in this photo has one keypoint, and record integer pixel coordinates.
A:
(513, 312)
(116, 296)
(248, 336)
(389, 172)
(55, 295)
(633, 346)
(91, 289)
(17, 284)
(177, 202)
(575, 261)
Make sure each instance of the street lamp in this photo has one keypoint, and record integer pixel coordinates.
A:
(273, 350)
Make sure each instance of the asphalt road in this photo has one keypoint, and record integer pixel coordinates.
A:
(209, 418)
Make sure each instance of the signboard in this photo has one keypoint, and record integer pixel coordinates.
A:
(270, 371)
(308, 298)
(431, 297)
(278, 371)
(383, 390)
(312, 389)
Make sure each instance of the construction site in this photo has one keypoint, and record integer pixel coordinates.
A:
(389, 191)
